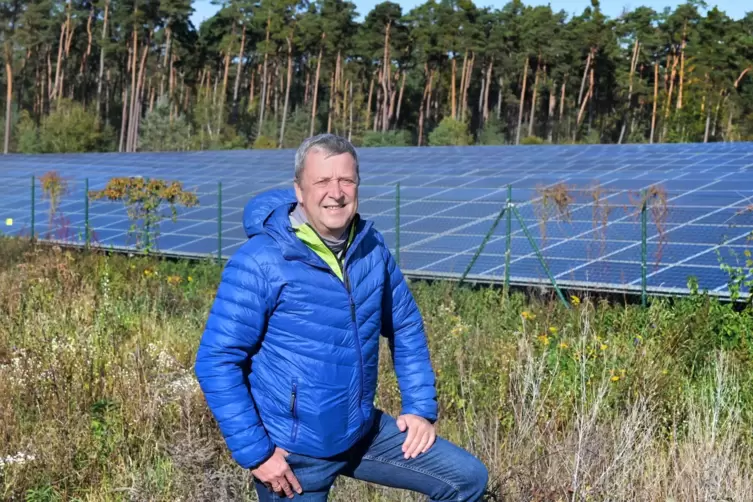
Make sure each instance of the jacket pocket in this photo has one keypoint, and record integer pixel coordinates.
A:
(294, 409)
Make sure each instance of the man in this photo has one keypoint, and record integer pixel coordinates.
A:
(288, 361)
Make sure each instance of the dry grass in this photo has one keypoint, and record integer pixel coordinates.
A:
(96, 355)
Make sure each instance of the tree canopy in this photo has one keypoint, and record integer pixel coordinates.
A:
(266, 73)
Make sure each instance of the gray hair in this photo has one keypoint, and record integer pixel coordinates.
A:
(329, 144)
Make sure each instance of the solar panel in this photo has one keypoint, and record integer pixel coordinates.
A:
(449, 199)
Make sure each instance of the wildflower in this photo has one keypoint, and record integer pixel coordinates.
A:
(575, 300)
(148, 273)
(563, 345)
(553, 330)
(174, 280)
(527, 315)
(615, 378)
(544, 340)
(190, 279)
(604, 346)
(747, 252)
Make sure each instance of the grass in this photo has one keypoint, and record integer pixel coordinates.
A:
(600, 402)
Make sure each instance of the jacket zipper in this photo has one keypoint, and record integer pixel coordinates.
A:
(294, 409)
(346, 283)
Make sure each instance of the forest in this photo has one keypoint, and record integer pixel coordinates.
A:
(136, 75)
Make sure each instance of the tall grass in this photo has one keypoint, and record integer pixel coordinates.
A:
(601, 402)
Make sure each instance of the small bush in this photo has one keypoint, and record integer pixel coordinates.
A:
(264, 143)
(159, 133)
(450, 132)
(532, 140)
(71, 128)
(389, 138)
(491, 133)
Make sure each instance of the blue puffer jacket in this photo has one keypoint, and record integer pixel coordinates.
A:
(289, 355)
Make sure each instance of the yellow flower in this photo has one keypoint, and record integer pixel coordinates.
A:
(553, 330)
(544, 340)
(604, 346)
(148, 273)
(563, 345)
(9, 221)
(575, 300)
(527, 315)
(174, 280)
(615, 378)
(190, 279)
(747, 252)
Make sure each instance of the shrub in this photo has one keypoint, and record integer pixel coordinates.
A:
(532, 140)
(389, 138)
(160, 133)
(450, 132)
(71, 128)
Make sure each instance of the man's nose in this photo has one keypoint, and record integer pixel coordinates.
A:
(335, 190)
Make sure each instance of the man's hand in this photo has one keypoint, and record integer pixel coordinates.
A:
(276, 474)
(421, 434)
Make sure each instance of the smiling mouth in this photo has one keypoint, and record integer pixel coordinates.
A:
(336, 206)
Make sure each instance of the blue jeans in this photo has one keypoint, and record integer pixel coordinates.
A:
(444, 472)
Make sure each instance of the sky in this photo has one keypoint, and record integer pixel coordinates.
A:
(734, 8)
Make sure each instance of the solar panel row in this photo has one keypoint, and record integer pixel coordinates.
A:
(449, 199)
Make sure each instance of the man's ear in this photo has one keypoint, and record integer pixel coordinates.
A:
(298, 192)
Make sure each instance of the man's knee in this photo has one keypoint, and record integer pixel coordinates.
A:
(477, 478)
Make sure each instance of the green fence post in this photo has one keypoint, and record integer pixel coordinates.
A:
(33, 206)
(508, 243)
(483, 245)
(397, 223)
(541, 258)
(643, 248)
(219, 223)
(86, 212)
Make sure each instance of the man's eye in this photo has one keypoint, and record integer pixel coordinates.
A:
(347, 182)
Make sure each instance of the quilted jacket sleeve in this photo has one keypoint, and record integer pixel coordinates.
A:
(402, 324)
(232, 334)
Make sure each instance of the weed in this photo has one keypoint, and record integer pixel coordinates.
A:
(143, 200)
(553, 202)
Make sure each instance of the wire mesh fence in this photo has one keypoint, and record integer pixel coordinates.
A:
(626, 238)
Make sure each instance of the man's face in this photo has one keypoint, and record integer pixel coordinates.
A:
(328, 192)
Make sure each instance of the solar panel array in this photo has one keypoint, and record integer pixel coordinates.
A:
(449, 199)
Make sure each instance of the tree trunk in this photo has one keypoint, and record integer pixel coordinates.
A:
(500, 81)
(368, 105)
(262, 104)
(462, 87)
(682, 66)
(400, 99)
(668, 105)
(136, 117)
(331, 102)
(306, 88)
(102, 61)
(61, 43)
(587, 99)
(468, 74)
(656, 97)
(132, 108)
(585, 73)
(168, 40)
(124, 119)
(316, 87)
(708, 124)
(485, 113)
(350, 124)
(633, 64)
(452, 97)
(287, 88)
(88, 51)
(522, 100)
(225, 76)
(550, 118)
(238, 71)
(386, 82)
(533, 99)
(8, 95)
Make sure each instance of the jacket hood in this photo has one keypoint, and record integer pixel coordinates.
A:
(261, 207)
